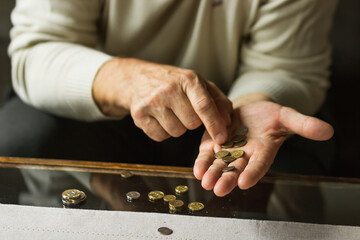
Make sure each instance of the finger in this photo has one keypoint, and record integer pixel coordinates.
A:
(152, 128)
(202, 163)
(185, 112)
(223, 104)
(207, 111)
(259, 164)
(228, 180)
(305, 126)
(213, 174)
(170, 123)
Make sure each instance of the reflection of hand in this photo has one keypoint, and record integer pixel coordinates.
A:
(163, 100)
(269, 124)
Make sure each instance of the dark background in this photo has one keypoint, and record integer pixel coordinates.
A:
(343, 99)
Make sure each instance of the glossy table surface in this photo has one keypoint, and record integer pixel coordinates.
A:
(296, 198)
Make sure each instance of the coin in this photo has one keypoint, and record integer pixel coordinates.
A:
(181, 189)
(242, 130)
(71, 194)
(165, 231)
(126, 174)
(228, 159)
(155, 195)
(227, 144)
(133, 195)
(238, 138)
(195, 206)
(240, 144)
(228, 168)
(168, 198)
(74, 201)
(176, 205)
(221, 154)
(237, 153)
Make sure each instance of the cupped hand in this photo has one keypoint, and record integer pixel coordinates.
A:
(269, 124)
(163, 100)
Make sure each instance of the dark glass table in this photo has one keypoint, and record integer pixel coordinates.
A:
(281, 197)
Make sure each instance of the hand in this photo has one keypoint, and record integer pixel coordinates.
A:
(269, 124)
(163, 100)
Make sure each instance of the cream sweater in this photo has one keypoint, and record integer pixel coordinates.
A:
(277, 47)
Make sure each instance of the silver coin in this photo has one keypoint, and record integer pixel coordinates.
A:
(133, 195)
(165, 231)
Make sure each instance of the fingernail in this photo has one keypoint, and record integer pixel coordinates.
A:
(220, 138)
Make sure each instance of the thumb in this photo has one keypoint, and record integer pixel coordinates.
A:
(305, 126)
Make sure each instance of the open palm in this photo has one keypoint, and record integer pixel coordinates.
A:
(269, 124)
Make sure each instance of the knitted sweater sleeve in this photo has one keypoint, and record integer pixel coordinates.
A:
(287, 53)
(54, 56)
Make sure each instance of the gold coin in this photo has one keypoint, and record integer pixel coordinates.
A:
(237, 153)
(155, 195)
(176, 205)
(221, 154)
(126, 174)
(227, 144)
(228, 159)
(240, 144)
(77, 201)
(181, 189)
(168, 198)
(71, 194)
(227, 169)
(238, 138)
(242, 130)
(195, 206)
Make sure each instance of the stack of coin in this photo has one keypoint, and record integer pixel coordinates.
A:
(73, 197)
(176, 205)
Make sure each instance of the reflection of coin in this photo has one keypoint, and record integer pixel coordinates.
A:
(196, 206)
(133, 195)
(227, 144)
(155, 195)
(227, 169)
(165, 231)
(221, 154)
(71, 194)
(126, 174)
(240, 144)
(168, 198)
(238, 138)
(237, 153)
(176, 205)
(181, 189)
(228, 159)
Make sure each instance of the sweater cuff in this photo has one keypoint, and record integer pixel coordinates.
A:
(78, 86)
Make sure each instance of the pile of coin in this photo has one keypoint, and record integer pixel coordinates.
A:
(175, 205)
(73, 197)
(238, 139)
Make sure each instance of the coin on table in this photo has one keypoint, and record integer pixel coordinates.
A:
(133, 195)
(221, 154)
(228, 168)
(165, 231)
(238, 138)
(227, 144)
(168, 198)
(126, 174)
(228, 159)
(237, 153)
(74, 201)
(240, 144)
(71, 194)
(176, 205)
(181, 189)
(155, 195)
(195, 206)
